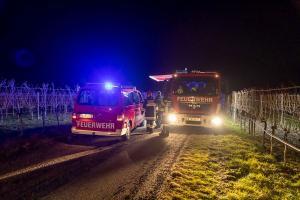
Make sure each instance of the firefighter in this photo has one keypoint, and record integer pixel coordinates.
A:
(159, 101)
(150, 113)
(161, 113)
(149, 97)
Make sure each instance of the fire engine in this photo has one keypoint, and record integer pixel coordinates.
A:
(193, 98)
(107, 110)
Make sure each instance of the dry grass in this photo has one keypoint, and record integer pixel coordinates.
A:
(231, 166)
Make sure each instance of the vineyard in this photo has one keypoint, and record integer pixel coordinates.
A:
(23, 106)
(275, 112)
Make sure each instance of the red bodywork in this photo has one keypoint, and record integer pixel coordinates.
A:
(195, 105)
(127, 111)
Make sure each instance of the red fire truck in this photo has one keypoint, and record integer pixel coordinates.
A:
(194, 98)
(107, 110)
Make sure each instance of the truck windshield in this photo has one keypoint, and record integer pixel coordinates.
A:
(195, 86)
(93, 97)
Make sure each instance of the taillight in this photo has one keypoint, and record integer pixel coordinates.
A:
(74, 116)
(120, 118)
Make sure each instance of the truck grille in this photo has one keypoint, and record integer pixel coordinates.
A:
(204, 108)
(193, 122)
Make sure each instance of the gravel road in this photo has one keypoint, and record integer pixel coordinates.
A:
(135, 169)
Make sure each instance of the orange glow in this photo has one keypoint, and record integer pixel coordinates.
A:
(74, 116)
(120, 118)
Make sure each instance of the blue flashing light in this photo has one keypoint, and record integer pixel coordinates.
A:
(108, 85)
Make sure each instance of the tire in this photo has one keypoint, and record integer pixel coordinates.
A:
(149, 130)
(127, 135)
(165, 132)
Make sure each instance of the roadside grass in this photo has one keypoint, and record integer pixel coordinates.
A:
(231, 165)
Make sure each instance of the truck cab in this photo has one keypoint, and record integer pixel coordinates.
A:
(194, 98)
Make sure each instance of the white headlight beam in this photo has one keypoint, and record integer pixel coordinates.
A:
(216, 121)
(172, 118)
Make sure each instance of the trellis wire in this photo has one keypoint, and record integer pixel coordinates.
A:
(36, 102)
(279, 107)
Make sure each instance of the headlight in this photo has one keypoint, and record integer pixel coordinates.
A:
(216, 121)
(172, 118)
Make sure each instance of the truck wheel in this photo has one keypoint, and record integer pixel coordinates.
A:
(149, 130)
(126, 136)
(165, 131)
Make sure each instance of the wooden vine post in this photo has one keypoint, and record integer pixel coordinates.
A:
(271, 138)
(286, 132)
(264, 132)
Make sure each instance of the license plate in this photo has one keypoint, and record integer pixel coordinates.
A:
(196, 119)
(95, 125)
(86, 116)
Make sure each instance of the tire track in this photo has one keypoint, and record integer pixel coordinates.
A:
(136, 169)
(150, 182)
(166, 171)
(52, 162)
(41, 179)
(59, 160)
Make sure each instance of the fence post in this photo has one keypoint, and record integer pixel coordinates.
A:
(261, 105)
(250, 125)
(43, 118)
(271, 138)
(281, 108)
(264, 133)
(241, 121)
(245, 119)
(286, 132)
(38, 106)
(254, 125)
(234, 106)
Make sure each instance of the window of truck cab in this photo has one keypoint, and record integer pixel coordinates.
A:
(131, 98)
(127, 99)
(98, 97)
(195, 86)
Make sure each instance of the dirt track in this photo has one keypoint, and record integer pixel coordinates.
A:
(135, 169)
(191, 163)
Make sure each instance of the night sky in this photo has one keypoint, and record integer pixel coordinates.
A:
(252, 43)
